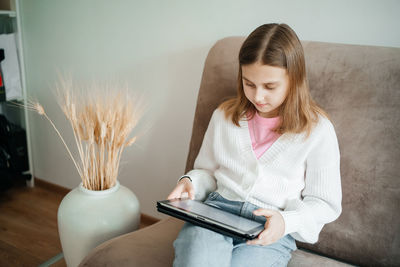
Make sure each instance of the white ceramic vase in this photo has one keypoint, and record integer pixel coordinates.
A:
(87, 218)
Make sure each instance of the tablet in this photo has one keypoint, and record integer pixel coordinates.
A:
(210, 217)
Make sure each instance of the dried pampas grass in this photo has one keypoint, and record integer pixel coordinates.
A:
(102, 118)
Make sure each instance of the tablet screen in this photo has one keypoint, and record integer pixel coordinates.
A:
(216, 214)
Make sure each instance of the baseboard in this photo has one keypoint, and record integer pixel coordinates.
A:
(144, 218)
(50, 186)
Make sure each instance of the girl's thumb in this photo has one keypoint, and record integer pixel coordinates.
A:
(191, 194)
(264, 212)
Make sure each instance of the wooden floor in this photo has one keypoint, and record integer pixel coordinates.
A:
(28, 224)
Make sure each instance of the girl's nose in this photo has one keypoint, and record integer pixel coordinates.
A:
(260, 95)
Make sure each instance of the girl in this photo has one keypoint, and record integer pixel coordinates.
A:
(270, 154)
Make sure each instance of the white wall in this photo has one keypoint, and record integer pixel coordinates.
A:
(159, 47)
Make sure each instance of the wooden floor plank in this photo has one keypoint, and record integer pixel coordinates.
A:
(28, 221)
(12, 256)
(41, 242)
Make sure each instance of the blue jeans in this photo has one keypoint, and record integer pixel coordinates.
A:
(197, 246)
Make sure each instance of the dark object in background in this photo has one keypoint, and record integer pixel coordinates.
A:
(13, 139)
(6, 180)
(2, 87)
(13, 153)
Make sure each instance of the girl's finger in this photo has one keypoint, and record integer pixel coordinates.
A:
(174, 194)
(256, 240)
(191, 194)
(264, 212)
(264, 235)
(171, 196)
(263, 242)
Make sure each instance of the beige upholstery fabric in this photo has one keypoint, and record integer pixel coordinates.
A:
(359, 86)
(152, 246)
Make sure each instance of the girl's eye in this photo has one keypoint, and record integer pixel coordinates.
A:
(250, 85)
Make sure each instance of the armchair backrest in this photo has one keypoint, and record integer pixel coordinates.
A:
(359, 86)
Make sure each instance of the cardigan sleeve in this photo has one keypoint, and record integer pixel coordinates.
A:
(322, 194)
(205, 164)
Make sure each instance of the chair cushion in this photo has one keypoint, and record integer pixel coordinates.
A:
(152, 246)
(301, 258)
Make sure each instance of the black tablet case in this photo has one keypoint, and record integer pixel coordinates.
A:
(198, 221)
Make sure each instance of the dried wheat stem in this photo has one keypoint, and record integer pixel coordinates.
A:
(77, 137)
(101, 122)
(62, 139)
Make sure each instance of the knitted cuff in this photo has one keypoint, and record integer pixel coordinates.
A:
(292, 221)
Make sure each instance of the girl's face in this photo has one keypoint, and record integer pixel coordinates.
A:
(266, 87)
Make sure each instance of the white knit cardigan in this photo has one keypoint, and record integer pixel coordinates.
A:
(298, 177)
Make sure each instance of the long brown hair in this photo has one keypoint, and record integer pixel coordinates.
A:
(277, 45)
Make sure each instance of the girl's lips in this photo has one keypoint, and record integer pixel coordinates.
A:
(260, 105)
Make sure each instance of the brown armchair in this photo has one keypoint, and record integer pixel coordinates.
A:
(359, 86)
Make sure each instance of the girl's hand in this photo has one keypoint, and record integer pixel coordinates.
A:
(184, 186)
(274, 228)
